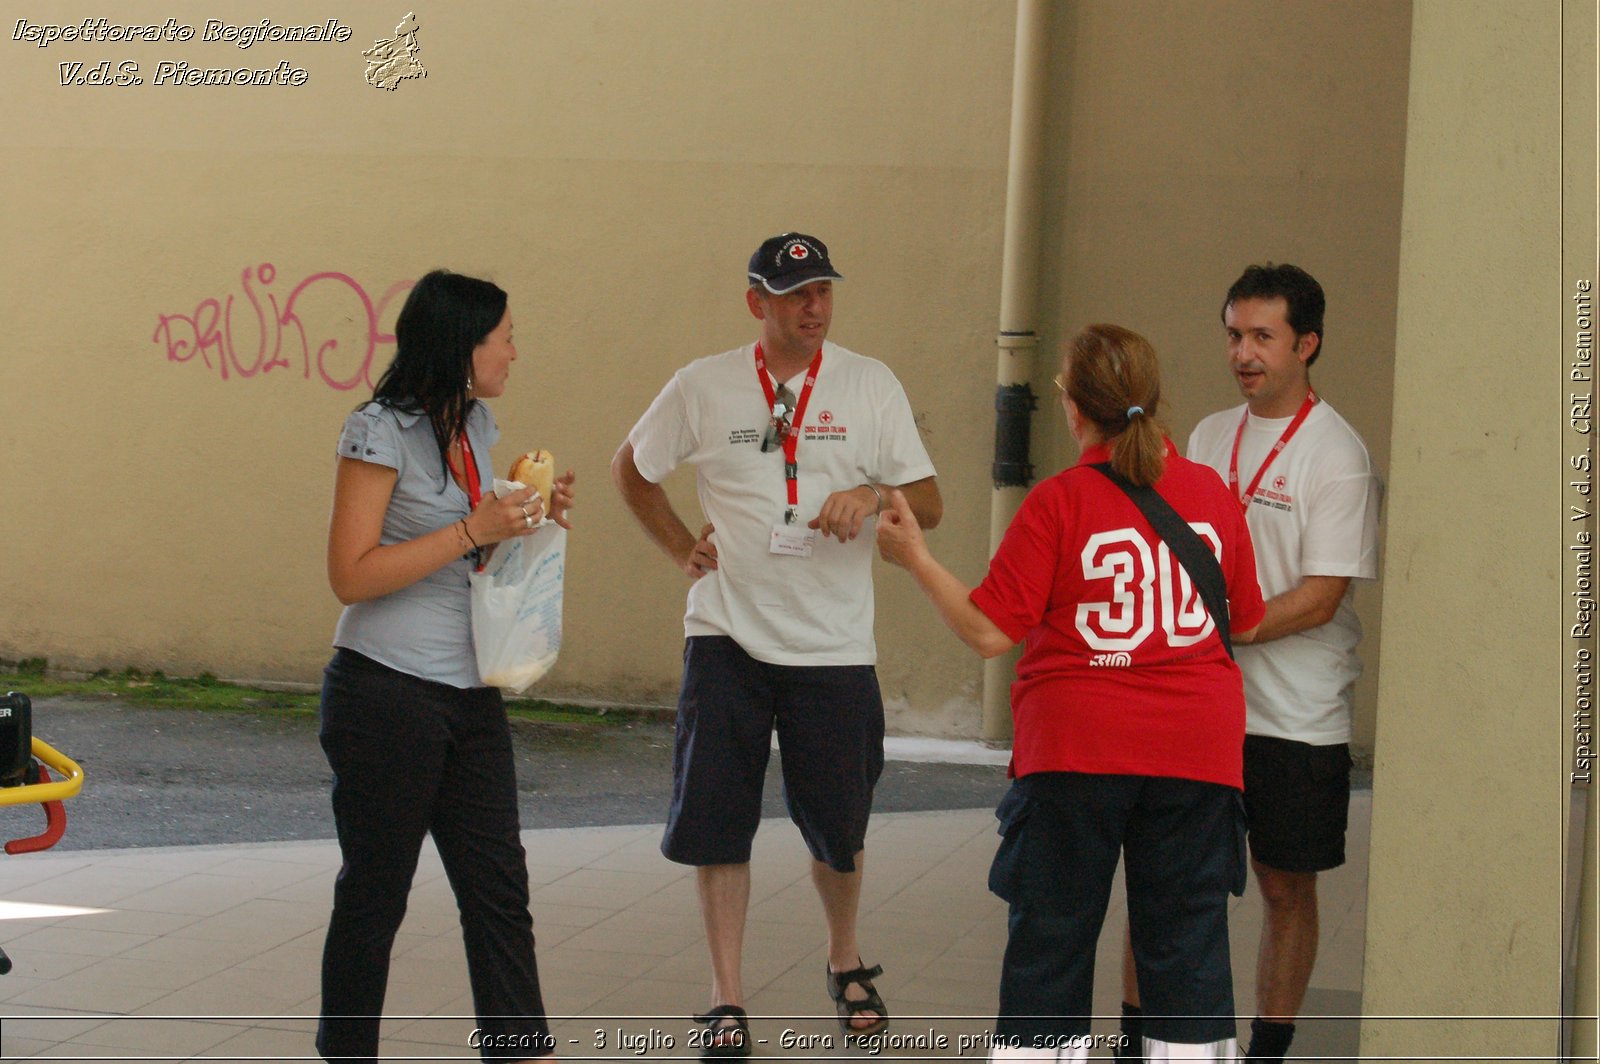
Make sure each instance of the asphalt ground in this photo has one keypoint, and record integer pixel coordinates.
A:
(174, 777)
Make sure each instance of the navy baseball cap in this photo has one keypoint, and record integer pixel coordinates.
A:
(783, 263)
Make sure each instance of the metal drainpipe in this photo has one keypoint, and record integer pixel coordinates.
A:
(1019, 301)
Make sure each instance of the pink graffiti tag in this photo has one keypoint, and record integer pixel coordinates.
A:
(209, 332)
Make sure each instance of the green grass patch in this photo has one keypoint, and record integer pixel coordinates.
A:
(155, 690)
(557, 712)
(207, 693)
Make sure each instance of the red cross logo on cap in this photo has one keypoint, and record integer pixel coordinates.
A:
(1279, 482)
(799, 251)
(826, 417)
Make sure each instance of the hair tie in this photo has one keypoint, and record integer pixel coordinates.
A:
(1132, 410)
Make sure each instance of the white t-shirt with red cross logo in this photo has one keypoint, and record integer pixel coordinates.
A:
(1315, 513)
(858, 427)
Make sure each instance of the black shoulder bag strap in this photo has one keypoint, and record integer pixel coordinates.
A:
(1192, 552)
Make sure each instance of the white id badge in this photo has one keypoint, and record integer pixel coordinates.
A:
(795, 542)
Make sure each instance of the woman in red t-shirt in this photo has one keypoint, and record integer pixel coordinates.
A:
(1128, 715)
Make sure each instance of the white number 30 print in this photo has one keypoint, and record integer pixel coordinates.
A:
(1138, 581)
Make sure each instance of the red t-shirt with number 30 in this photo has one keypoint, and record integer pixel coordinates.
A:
(1122, 670)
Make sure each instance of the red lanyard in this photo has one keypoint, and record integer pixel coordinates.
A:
(1277, 448)
(474, 485)
(791, 439)
(470, 473)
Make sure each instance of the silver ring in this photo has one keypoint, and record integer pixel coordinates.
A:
(527, 519)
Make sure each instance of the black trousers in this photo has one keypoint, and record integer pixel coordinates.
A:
(411, 757)
(1183, 844)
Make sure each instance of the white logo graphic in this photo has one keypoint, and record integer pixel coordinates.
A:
(799, 251)
(1111, 660)
(389, 62)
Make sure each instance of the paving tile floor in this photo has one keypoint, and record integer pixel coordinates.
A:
(211, 953)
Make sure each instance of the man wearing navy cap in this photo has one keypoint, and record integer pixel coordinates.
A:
(795, 441)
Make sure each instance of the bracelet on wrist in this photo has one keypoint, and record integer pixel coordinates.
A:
(468, 533)
(876, 494)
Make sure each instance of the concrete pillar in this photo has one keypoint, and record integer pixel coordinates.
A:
(1471, 774)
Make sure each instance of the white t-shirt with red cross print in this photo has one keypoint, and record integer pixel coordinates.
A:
(1314, 513)
(857, 427)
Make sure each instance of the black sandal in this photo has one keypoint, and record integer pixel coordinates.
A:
(848, 1009)
(717, 1043)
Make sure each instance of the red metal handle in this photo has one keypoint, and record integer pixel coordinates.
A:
(55, 825)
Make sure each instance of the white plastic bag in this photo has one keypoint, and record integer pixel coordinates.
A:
(516, 608)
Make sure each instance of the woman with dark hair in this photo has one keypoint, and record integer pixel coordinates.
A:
(417, 743)
(1128, 715)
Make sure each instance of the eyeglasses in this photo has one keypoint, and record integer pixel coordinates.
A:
(1059, 382)
(778, 428)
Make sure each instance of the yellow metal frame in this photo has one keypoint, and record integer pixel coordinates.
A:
(59, 790)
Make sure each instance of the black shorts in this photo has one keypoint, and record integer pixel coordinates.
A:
(830, 739)
(1296, 803)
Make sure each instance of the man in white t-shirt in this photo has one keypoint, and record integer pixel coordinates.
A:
(1311, 498)
(795, 441)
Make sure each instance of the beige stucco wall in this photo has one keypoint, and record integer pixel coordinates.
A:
(612, 164)
(1580, 157)
(1464, 907)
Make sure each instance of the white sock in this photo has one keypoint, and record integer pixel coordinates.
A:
(1225, 1050)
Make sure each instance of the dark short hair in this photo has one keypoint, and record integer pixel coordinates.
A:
(445, 317)
(1297, 288)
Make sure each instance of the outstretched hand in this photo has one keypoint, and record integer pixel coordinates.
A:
(899, 536)
(844, 512)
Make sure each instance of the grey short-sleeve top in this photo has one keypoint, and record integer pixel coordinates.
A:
(424, 629)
